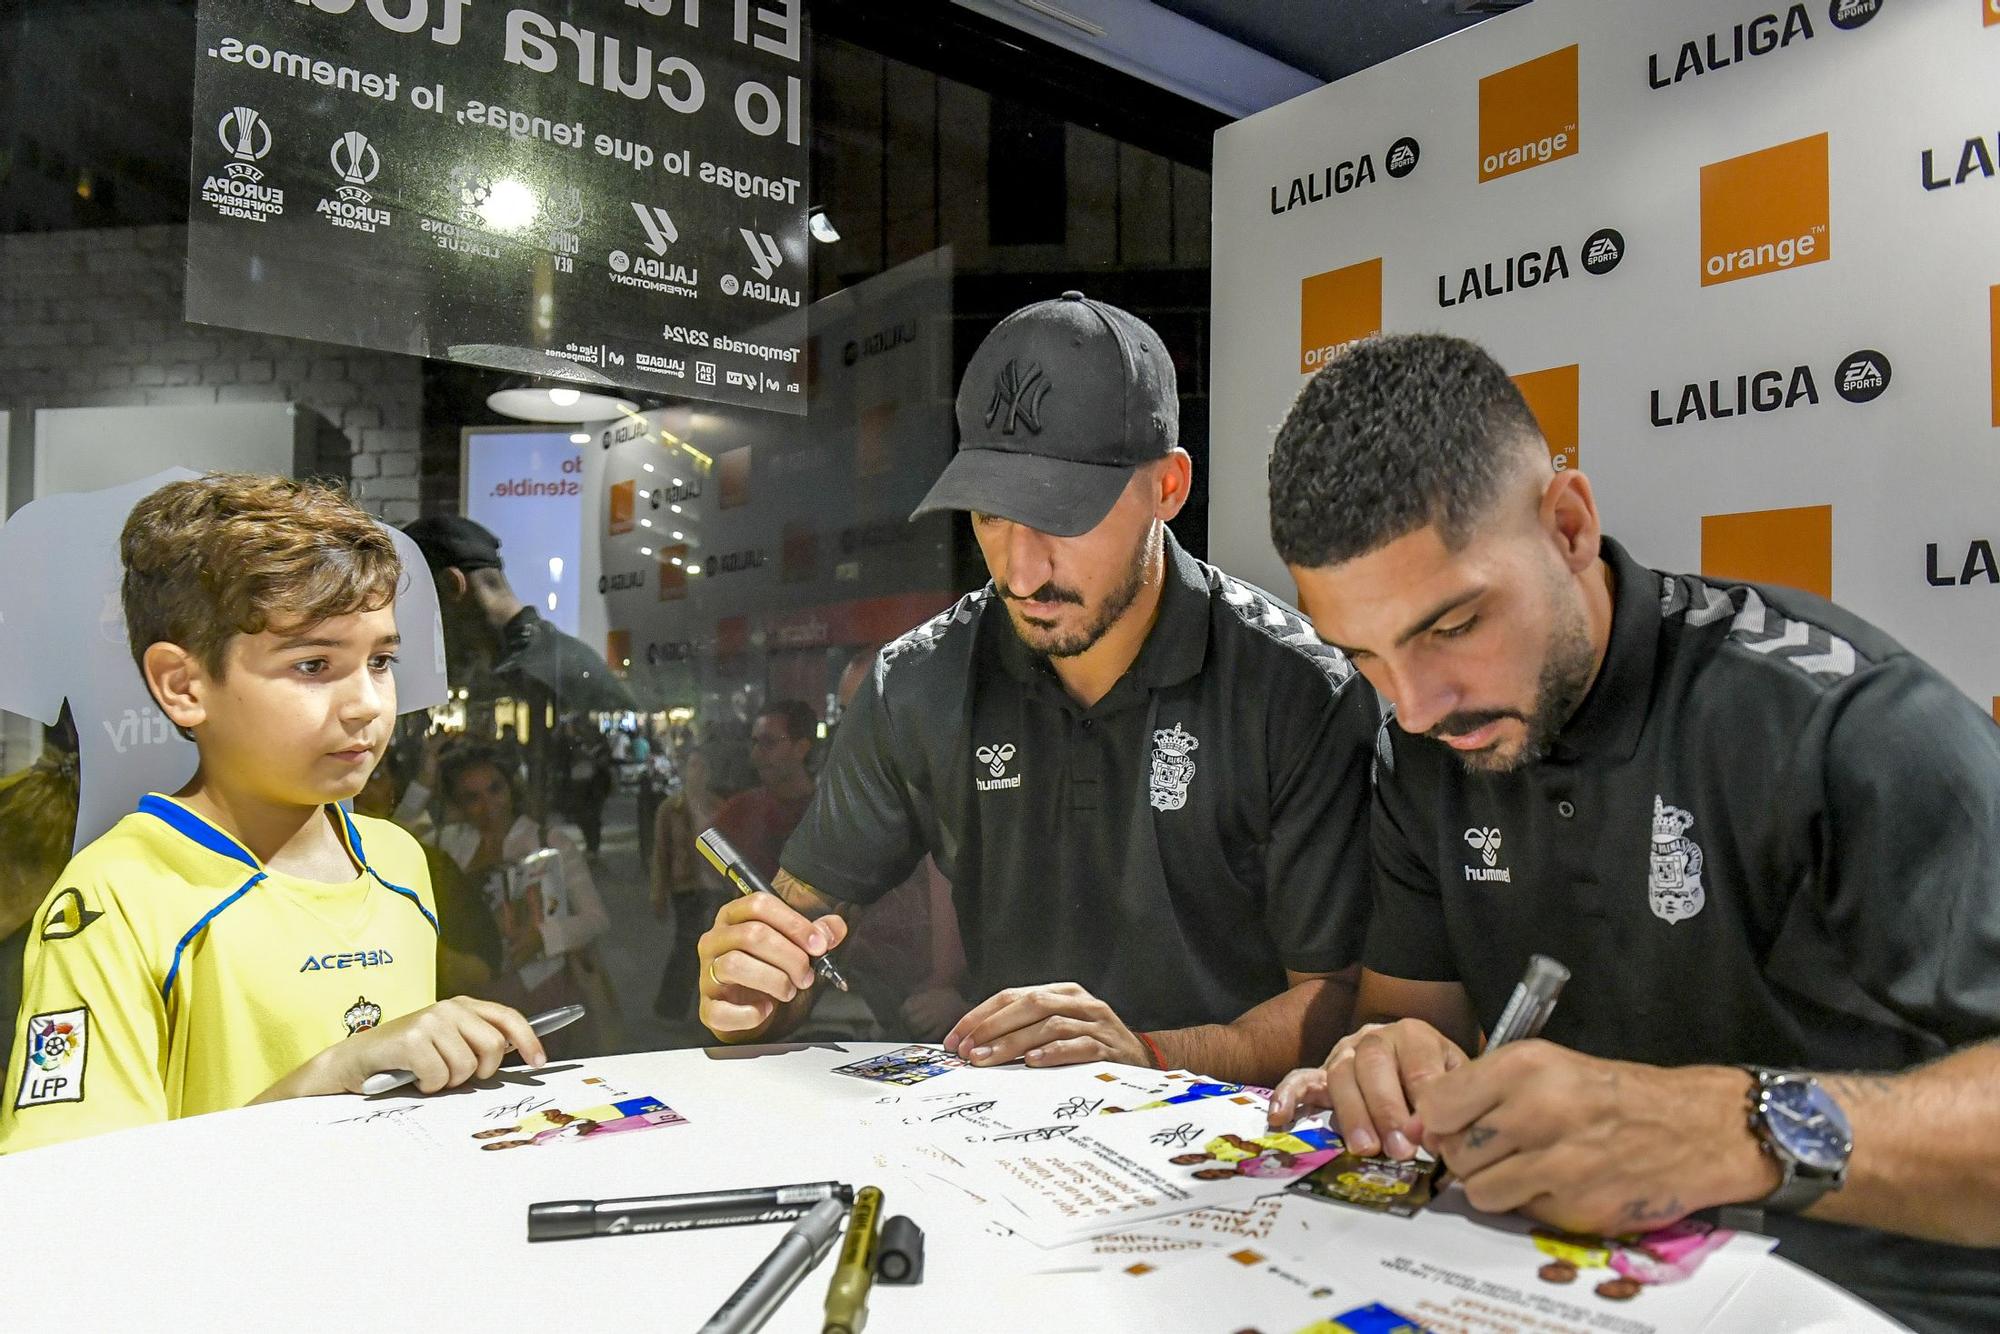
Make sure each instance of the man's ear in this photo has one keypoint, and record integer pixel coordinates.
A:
(453, 584)
(1569, 515)
(178, 682)
(1172, 484)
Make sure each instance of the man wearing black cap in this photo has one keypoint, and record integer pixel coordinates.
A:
(1144, 780)
(483, 620)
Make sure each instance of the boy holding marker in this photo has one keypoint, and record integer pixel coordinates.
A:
(247, 939)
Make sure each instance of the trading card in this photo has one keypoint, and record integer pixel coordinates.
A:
(905, 1065)
(1381, 1185)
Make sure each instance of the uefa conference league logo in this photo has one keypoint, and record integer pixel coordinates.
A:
(239, 190)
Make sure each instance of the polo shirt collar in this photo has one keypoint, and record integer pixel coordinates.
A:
(1607, 724)
(1173, 652)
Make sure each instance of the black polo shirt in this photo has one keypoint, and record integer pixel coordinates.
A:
(1174, 848)
(1770, 836)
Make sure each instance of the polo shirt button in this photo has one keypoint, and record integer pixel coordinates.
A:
(1565, 810)
(1089, 723)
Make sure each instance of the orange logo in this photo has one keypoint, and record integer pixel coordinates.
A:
(1551, 396)
(1336, 308)
(1993, 13)
(1793, 547)
(1994, 297)
(673, 573)
(1527, 115)
(618, 650)
(1764, 211)
(733, 472)
(623, 501)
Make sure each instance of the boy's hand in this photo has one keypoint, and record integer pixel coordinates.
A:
(446, 1045)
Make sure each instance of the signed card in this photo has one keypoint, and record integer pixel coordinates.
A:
(905, 1065)
(1380, 1185)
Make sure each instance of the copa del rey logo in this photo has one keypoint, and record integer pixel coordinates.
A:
(1172, 769)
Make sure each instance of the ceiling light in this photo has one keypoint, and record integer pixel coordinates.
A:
(679, 535)
(579, 438)
(645, 551)
(647, 466)
(822, 226)
(530, 402)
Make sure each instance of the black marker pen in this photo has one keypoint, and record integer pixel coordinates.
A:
(559, 1220)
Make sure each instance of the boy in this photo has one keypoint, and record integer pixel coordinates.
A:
(246, 939)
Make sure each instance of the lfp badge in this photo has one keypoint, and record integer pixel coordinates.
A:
(57, 1046)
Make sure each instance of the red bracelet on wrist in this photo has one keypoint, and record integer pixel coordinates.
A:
(1159, 1057)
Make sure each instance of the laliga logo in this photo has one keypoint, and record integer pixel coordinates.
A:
(995, 758)
(1486, 842)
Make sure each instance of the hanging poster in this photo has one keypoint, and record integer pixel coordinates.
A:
(611, 193)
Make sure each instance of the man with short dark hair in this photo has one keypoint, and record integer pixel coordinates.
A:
(1145, 781)
(1764, 837)
(758, 820)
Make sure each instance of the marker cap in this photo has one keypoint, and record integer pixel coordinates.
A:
(559, 1220)
(899, 1256)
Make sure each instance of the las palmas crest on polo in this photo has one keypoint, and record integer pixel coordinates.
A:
(1673, 879)
(1172, 769)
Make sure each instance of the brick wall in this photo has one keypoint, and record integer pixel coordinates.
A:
(94, 319)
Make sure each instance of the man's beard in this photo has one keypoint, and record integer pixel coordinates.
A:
(1041, 636)
(1565, 678)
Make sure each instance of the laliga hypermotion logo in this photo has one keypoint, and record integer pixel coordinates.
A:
(247, 136)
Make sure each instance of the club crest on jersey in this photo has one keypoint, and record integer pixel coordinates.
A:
(361, 1016)
(1673, 877)
(58, 1046)
(1172, 769)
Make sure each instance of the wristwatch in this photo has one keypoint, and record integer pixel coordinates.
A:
(1803, 1129)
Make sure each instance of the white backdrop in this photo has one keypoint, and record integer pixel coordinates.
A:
(1658, 129)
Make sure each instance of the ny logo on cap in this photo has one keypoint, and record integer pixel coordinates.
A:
(1018, 392)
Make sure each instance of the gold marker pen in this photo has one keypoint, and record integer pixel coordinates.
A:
(847, 1295)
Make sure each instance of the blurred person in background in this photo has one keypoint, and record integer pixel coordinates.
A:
(469, 945)
(549, 954)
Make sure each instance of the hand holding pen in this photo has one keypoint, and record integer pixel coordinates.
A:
(1373, 1076)
(761, 953)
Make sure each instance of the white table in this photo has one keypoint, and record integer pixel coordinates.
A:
(247, 1220)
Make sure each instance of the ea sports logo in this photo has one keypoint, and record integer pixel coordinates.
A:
(1402, 157)
(244, 133)
(1851, 14)
(1863, 377)
(1603, 250)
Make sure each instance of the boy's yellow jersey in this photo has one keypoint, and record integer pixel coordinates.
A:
(170, 974)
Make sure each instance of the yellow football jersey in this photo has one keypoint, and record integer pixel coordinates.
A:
(170, 974)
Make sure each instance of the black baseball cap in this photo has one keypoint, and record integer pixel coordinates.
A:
(451, 542)
(1062, 402)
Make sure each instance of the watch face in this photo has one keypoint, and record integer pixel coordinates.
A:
(1808, 1124)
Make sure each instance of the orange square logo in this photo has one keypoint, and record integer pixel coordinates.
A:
(1994, 335)
(673, 573)
(618, 650)
(1793, 547)
(1765, 211)
(624, 500)
(733, 472)
(1337, 308)
(1551, 396)
(1527, 115)
(1993, 13)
